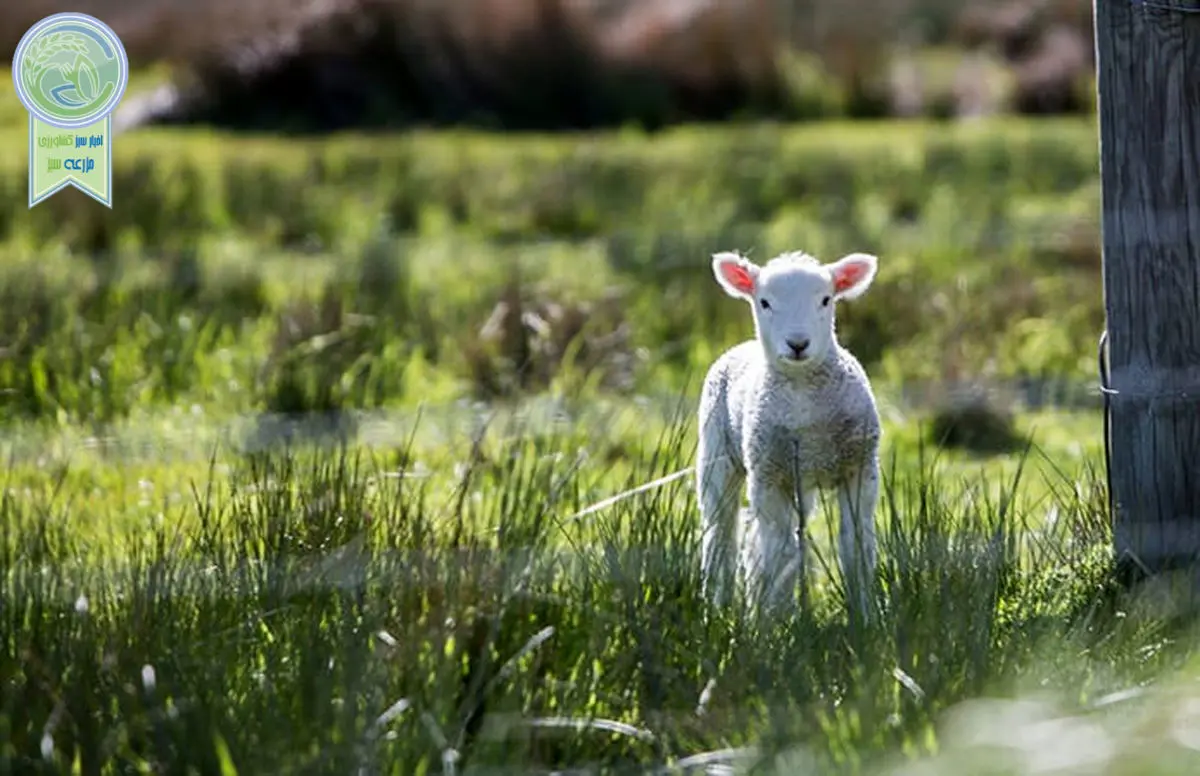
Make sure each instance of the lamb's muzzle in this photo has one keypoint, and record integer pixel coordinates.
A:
(798, 347)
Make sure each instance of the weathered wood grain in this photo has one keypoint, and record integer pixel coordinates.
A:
(1148, 70)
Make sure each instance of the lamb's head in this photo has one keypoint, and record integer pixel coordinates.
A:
(792, 298)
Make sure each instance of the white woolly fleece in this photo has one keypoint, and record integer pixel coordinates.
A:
(785, 422)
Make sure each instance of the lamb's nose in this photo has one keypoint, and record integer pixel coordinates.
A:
(798, 347)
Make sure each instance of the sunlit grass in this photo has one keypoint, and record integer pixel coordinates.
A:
(318, 590)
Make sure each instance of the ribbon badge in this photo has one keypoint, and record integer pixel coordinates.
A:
(70, 72)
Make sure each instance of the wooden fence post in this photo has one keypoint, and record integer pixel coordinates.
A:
(1148, 81)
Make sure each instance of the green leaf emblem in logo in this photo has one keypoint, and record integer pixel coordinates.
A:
(70, 70)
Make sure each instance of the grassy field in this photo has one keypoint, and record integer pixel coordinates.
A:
(302, 436)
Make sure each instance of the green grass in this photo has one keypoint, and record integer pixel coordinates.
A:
(353, 248)
(320, 612)
(418, 594)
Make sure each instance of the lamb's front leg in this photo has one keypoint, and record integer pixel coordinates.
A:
(857, 551)
(719, 483)
(779, 559)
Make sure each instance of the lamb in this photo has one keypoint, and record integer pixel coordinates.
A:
(784, 415)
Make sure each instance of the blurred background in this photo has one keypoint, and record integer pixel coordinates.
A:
(578, 64)
(485, 198)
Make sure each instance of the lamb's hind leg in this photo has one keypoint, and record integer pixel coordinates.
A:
(719, 483)
(857, 552)
(779, 557)
(806, 502)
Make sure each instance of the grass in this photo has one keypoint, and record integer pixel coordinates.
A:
(405, 624)
(299, 433)
(252, 274)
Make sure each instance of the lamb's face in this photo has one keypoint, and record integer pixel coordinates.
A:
(793, 312)
(792, 298)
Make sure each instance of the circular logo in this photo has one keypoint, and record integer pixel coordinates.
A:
(70, 70)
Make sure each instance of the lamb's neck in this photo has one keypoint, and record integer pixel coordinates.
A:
(814, 376)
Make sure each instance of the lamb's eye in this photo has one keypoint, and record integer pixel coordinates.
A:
(765, 304)
(825, 302)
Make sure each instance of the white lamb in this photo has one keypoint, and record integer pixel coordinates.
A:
(785, 414)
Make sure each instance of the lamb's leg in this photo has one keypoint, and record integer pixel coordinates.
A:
(719, 483)
(806, 502)
(857, 553)
(779, 557)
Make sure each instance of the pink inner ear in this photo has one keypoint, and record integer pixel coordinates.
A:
(849, 274)
(738, 277)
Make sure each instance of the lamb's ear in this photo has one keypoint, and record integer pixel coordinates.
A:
(737, 275)
(852, 274)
